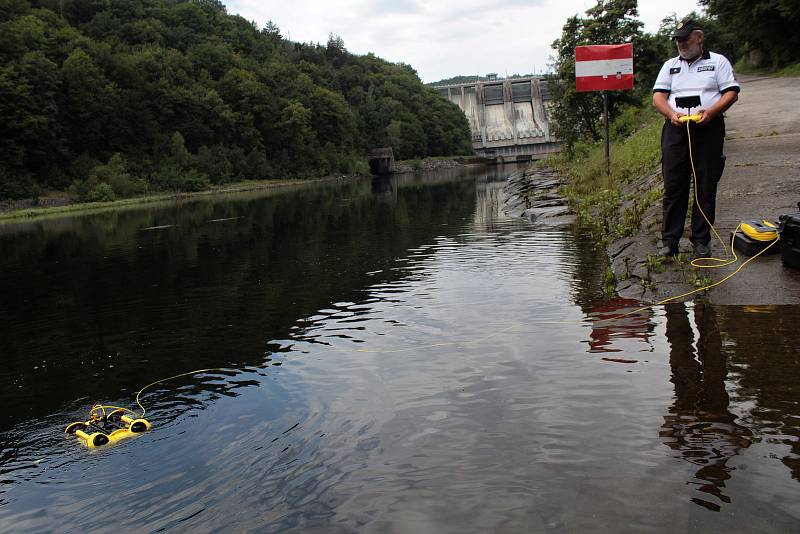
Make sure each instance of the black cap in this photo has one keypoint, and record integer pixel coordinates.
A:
(684, 28)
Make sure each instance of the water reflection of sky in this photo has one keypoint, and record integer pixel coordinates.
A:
(444, 370)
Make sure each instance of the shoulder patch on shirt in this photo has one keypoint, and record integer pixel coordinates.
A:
(674, 70)
(704, 68)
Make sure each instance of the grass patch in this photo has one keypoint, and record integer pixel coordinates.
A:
(698, 280)
(609, 282)
(655, 264)
(598, 197)
(788, 71)
(607, 203)
(630, 159)
(126, 203)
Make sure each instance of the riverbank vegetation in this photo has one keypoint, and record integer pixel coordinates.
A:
(792, 71)
(604, 199)
(118, 98)
(58, 204)
(598, 195)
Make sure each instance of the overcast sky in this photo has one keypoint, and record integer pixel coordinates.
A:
(441, 38)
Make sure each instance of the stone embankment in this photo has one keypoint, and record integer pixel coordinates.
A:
(425, 165)
(533, 194)
(761, 181)
(31, 203)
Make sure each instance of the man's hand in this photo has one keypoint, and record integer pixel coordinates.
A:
(726, 100)
(705, 116)
(661, 103)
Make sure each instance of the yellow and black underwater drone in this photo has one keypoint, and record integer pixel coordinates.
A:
(108, 425)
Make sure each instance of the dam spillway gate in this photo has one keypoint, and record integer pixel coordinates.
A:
(507, 118)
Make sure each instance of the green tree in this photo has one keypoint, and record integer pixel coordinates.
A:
(117, 175)
(213, 162)
(407, 138)
(213, 56)
(767, 29)
(299, 141)
(331, 117)
(107, 181)
(89, 98)
(139, 32)
(335, 50)
(30, 133)
(577, 115)
(177, 168)
(21, 35)
(187, 94)
(10, 9)
(256, 166)
(255, 108)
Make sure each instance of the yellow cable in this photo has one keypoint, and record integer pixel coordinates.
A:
(165, 380)
(753, 232)
(138, 394)
(698, 262)
(760, 252)
(721, 262)
(692, 292)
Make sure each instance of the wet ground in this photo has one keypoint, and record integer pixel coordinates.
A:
(761, 181)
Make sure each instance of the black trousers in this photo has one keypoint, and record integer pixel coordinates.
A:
(709, 162)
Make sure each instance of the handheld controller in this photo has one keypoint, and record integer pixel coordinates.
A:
(687, 103)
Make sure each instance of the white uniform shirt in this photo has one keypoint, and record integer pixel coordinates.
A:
(707, 77)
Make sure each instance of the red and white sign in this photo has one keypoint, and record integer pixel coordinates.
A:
(604, 67)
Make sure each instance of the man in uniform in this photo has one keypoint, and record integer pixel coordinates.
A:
(696, 82)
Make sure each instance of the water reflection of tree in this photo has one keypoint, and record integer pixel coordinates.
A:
(699, 427)
(97, 296)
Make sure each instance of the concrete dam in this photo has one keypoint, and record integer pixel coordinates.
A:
(507, 118)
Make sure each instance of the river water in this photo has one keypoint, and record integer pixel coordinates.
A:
(393, 355)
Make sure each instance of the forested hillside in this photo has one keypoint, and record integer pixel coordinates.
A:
(473, 78)
(113, 98)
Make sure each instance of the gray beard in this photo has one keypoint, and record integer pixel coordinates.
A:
(691, 54)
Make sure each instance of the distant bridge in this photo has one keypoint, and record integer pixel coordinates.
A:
(507, 118)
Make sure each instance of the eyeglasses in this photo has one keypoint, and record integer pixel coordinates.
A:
(681, 39)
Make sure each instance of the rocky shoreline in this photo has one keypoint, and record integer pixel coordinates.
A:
(760, 181)
(34, 203)
(639, 273)
(31, 207)
(534, 194)
(426, 165)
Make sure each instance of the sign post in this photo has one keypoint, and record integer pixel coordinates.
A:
(605, 122)
(604, 68)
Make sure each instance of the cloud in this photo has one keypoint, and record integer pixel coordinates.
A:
(385, 7)
(439, 38)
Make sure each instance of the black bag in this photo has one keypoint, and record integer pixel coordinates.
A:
(789, 230)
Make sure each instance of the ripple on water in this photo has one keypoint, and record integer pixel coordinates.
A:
(454, 385)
